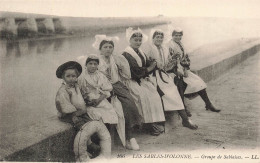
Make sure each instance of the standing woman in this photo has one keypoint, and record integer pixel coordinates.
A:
(171, 98)
(112, 66)
(190, 83)
(141, 88)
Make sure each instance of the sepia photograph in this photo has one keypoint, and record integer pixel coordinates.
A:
(130, 81)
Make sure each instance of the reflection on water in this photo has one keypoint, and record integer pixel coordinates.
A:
(44, 46)
(13, 49)
(23, 48)
(58, 44)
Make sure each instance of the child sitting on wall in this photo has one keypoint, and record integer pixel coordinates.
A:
(69, 102)
(95, 89)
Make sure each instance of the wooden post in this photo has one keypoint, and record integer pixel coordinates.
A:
(58, 25)
(27, 28)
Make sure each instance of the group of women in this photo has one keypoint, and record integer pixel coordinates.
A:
(155, 82)
(149, 85)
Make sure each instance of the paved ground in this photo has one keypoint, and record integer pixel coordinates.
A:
(236, 127)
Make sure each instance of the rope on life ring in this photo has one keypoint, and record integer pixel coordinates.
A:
(85, 133)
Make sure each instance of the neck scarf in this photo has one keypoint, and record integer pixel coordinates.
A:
(136, 56)
(109, 69)
(181, 47)
(161, 54)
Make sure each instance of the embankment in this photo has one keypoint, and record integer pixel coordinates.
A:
(15, 26)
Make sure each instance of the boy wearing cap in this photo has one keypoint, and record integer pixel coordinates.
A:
(69, 102)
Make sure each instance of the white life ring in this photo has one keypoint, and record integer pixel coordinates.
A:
(86, 131)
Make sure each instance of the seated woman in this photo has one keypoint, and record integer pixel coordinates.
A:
(141, 88)
(114, 66)
(170, 97)
(95, 88)
(189, 82)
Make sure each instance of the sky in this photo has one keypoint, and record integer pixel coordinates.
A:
(137, 8)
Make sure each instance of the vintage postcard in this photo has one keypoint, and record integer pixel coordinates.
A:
(129, 80)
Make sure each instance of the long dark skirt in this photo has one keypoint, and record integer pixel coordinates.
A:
(132, 117)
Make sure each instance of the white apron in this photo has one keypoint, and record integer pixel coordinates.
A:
(145, 95)
(194, 83)
(171, 98)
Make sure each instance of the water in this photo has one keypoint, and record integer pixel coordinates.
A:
(28, 82)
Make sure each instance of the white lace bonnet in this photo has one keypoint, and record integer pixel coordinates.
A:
(100, 38)
(130, 31)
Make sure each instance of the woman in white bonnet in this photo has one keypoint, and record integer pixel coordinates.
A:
(114, 67)
(171, 98)
(188, 82)
(141, 88)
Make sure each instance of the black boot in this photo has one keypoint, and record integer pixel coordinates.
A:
(155, 130)
(212, 108)
(185, 120)
(203, 94)
(181, 86)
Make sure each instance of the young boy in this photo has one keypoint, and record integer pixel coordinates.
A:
(69, 102)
